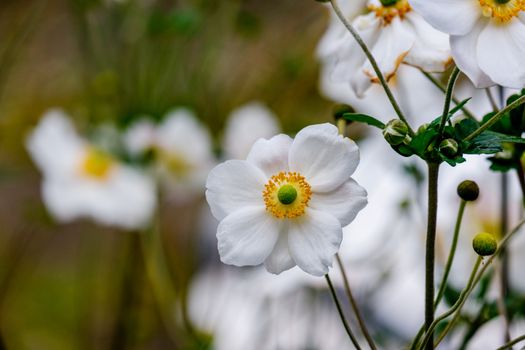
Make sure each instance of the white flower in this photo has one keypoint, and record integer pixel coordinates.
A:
(394, 34)
(182, 147)
(487, 37)
(246, 125)
(286, 204)
(82, 181)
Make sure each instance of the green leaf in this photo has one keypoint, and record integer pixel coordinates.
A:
(453, 111)
(363, 118)
(421, 141)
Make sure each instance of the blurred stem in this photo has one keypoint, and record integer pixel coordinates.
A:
(374, 64)
(436, 83)
(433, 173)
(504, 258)
(496, 117)
(341, 313)
(448, 98)
(450, 254)
(492, 101)
(128, 294)
(457, 306)
(521, 179)
(357, 313)
(512, 342)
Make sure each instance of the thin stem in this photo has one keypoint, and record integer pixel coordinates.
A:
(341, 314)
(448, 97)
(504, 258)
(451, 253)
(436, 83)
(457, 306)
(496, 117)
(433, 173)
(521, 179)
(357, 313)
(374, 64)
(512, 342)
(492, 101)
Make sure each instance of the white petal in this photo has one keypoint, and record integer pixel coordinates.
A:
(234, 185)
(280, 259)
(247, 236)
(344, 202)
(271, 156)
(455, 17)
(313, 241)
(463, 50)
(501, 49)
(431, 50)
(140, 136)
(325, 158)
(391, 47)
(246, 124)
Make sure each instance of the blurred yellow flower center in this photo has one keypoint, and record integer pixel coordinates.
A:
(394, 9)
(286, 195)
(176, 164)
(96, 164)
(502, 10)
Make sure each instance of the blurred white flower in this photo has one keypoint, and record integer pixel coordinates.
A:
(492, 334)
(394, 34)
(240, 312)
(83, 181)
(246, 125)
(182, 148)
(286, 204)
(487, 37)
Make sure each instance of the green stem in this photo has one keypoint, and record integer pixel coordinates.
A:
(374, 64)
(436, 83)
(353, 303)
(492, 101)
(496, 117)
(450, 254)
(521, 179)
(503, 267)
(341, 314)
(433, 173)
(448, 98)
(512, 342)
(457, 306)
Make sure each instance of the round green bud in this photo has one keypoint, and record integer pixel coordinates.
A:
(287, 194)
(422, 128)
(395, 132)
(388, 2)
(468, 190)
(502, 1)
(484, 244)
(341, 109)
(449, 147)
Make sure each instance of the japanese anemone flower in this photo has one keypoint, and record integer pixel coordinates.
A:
(286, 204)
(395, 34)
(83, 181)
(487, 37)
(182, 148)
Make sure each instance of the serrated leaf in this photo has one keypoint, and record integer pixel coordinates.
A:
(421, 141)
(363, 118)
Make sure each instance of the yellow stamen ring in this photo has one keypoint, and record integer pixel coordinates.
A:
(286, 195)
(96, 164)
(388, 13)
(502, 11)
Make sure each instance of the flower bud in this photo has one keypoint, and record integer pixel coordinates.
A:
(422, 128)
(468, 190)
(395, 132)
(449, 147)
(484, 244)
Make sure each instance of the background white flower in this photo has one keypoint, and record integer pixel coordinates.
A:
(182, 148)
(487, 37)
(286, 204)
(244, 126)
(394, 34)
(82, 181)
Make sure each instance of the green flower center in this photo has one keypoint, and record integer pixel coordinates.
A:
(287, 194)
(393, 2)
(502, 1)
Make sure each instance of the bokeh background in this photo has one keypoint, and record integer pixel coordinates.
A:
(81, 285)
